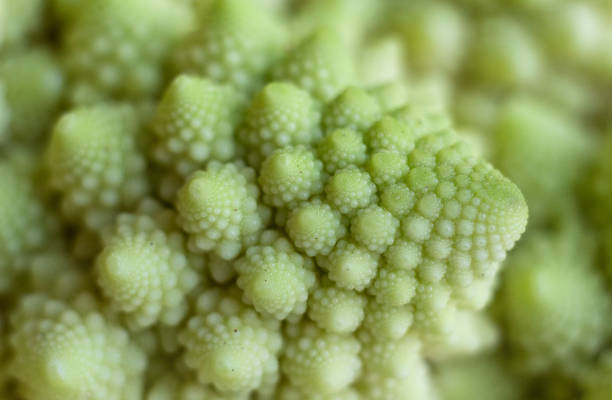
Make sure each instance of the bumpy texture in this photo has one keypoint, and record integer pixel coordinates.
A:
(443, 225)
(27, 225)
(234, 44)
(275, 278)
(218, 208)
(193, 124)
(320, 362)
(281, 114)
(546, 326)
(61, 353)
(107, 55)
(256, 199)
(144, 271)
(320, 65)
(94, 163)
(229, 345)
(393, 369)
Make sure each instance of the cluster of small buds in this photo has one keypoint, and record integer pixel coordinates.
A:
(230, 345)
(144, 271)
(107, 55)
(27, 225)
(65, 354)
(95, 164)
(218, 208)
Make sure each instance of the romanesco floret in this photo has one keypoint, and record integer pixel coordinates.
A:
(341, 148)
(235, 43)
(393, 369)
(27, 225)
(193, 124)
(314, 227)
(229, 345)
(290, 175)
(256, 200)
(63, 353)
(94, 162)
(116, 48)
(33, 83)
(546, 326)
(318, 361)
(336, 309)
(280, 115)
(144, 272)
(218, 208)
(275, 278)
(320, 65)
(352, 109)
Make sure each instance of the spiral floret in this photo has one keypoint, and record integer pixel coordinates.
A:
(290, 175)
(229, 345)
(275, 279)
(194, 123)
(341, 148)
(352, 109)
(320, 362)
(218, 208)
(546, 326)
(116, 48)
(320, 65)
(335, 309)
(64, 354)
(393, 369)
(235, 44)
(280, 115)
(94, 163)
(350, 266)
(144, 272)
(314, 227)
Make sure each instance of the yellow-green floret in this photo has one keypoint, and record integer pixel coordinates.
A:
(94, 162)
(554, 303)
(317, 361)
(235, 43)
(27, 225)
(62, 353)
(275, 278)
(144, 272)
(218, 208)
(229, 345)
(320, 65)
(108, 55)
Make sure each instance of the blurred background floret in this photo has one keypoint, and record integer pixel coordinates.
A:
(305, 199)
